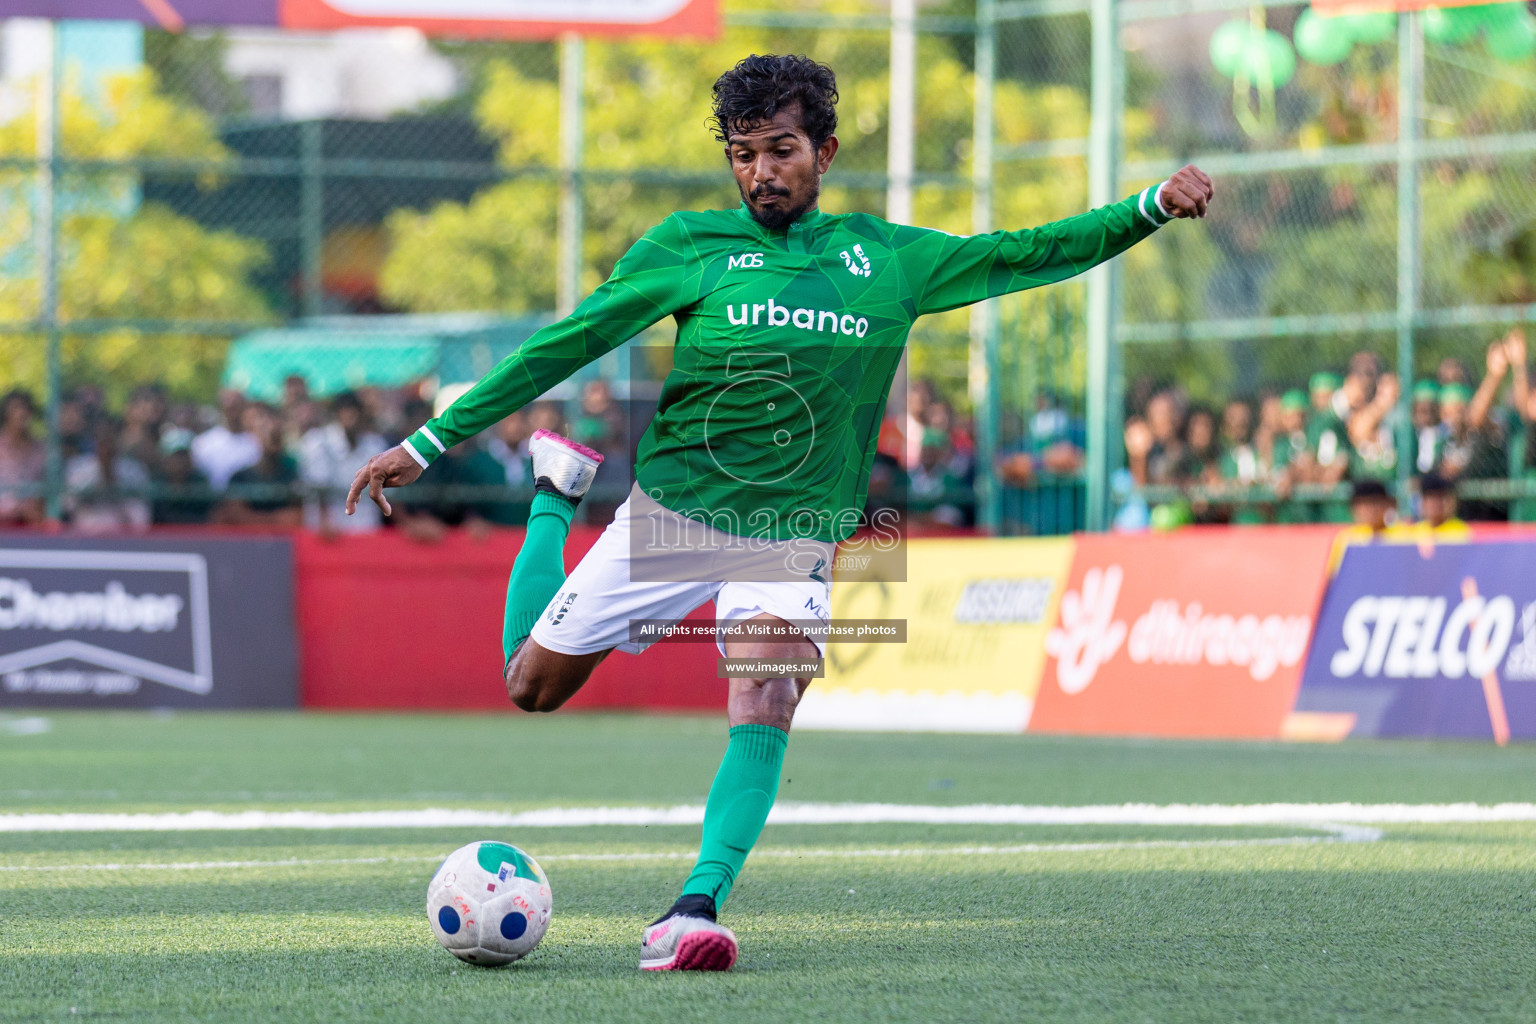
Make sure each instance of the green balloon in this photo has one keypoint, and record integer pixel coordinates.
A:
(1471, 19)
(1282, 57)
(1228, 44)
(1475, 16)
(1321, 40)
(1269, 60)
(1497, 17)
(1514, 41)
(1171, 516)
(1449, 26)
(1371, 29)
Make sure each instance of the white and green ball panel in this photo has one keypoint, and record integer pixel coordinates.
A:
(489, 903)
(504, 859)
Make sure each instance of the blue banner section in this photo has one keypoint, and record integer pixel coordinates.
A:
(1435, 641)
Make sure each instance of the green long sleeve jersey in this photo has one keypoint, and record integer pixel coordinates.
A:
(787, 345)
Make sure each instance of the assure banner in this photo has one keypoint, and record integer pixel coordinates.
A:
(1197, 633)
(976, 613)
(184, 623)
(1431, 641)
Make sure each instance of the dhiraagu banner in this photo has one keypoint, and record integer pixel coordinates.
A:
(976, 612)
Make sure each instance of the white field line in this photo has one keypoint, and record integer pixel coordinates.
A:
(1338, 834)
(215, 865)
(783, 814)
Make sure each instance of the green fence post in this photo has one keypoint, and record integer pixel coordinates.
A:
(47, 242)
(903, 103)
(1106, 106)
(571, 154)
(311, 215)
(984, 315)
(1410, 76)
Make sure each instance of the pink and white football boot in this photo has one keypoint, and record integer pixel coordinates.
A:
(681, 942)
(561, 465)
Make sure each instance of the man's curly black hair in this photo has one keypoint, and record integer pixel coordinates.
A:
(761, 85)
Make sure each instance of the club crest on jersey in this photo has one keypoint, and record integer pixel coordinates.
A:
(857, 267)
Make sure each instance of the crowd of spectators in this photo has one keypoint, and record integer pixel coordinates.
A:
(925, 462)
(285, 464)
(1279, 456)
(1343, 429)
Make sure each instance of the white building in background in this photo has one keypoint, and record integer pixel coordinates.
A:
(361, 73)
(355, 73)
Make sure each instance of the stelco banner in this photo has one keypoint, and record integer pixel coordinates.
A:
(145, 623)
(1199, 633)
(1436, 641)
(976, 615)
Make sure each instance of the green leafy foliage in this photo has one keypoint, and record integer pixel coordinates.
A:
(649, 152)
(121, 258)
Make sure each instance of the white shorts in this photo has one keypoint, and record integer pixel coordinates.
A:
(598, 601)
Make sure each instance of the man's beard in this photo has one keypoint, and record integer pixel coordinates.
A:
(778, 217)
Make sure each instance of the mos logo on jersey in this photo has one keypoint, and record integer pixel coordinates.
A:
(746, 260)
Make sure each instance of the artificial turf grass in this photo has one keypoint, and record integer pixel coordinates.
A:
(136, 761)
(1433, 923)
(1433, 926)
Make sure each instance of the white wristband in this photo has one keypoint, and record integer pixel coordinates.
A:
(1143, 207)
(1157, 197)
(410, 450)
(433, 438)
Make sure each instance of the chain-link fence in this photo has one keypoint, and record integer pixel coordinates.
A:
(223, 282)
(1345, 320)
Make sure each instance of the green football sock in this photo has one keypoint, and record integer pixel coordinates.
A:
(737, 808)
(539, 569)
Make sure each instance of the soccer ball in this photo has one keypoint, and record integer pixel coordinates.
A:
(489, 904)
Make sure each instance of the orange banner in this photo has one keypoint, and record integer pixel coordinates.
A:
(1198, 633)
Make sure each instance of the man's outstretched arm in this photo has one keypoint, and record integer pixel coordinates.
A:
(647, 285)
(955, 271)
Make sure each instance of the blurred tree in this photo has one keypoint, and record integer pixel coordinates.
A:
(1301, 242)
(1315, 242)
(120, 258)
(190, 69)
(475, 59)
(646, 105)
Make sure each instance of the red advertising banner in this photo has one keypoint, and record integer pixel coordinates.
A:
(1199, 633)
(386, 622)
